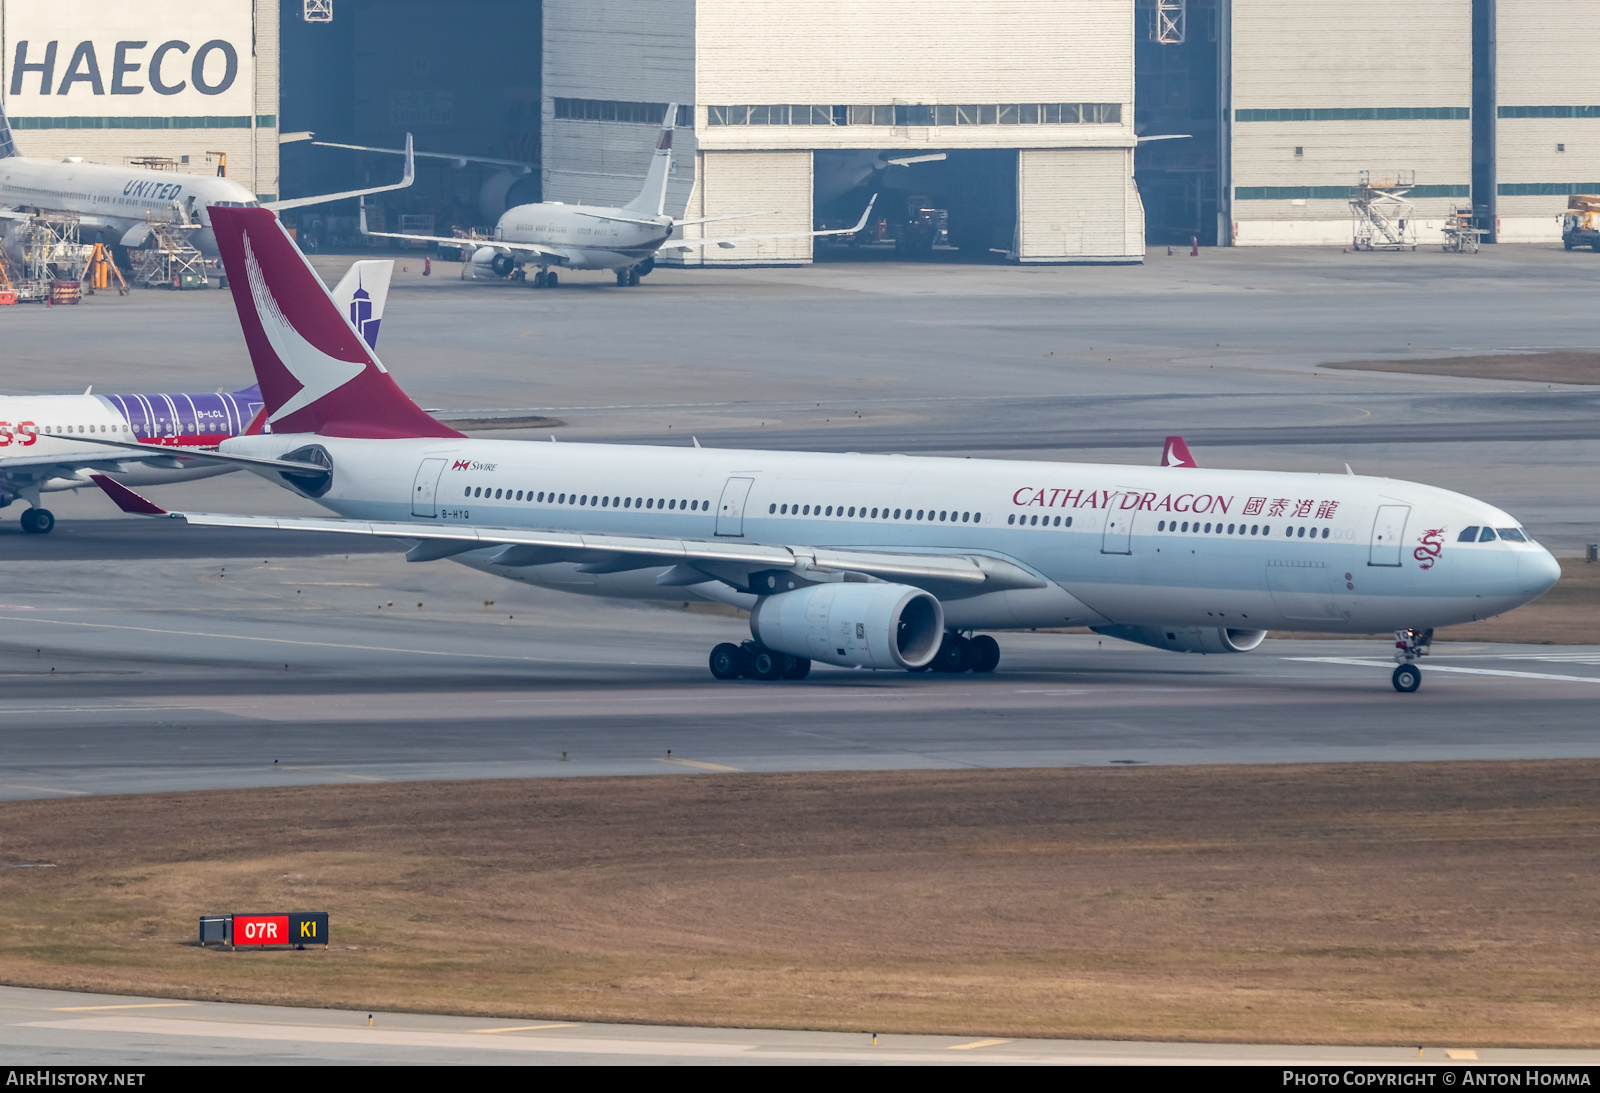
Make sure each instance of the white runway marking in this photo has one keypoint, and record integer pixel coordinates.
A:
(1447, 668)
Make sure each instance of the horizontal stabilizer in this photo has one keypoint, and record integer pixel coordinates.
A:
(126, 499)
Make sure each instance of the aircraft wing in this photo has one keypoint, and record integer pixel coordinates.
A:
(406, 178)
(451, 241)
(21, 470)
(691, 561)
(733, 241)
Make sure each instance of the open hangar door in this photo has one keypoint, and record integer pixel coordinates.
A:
(933, 204)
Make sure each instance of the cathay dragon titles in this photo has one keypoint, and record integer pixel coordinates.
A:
(852, 560)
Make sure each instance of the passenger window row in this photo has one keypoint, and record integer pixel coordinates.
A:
(1243, 529)
(861, 511)
(591, 500)
(1487, 535)
(1025, 521)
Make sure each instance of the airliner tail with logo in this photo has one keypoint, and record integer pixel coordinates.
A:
(857, 561)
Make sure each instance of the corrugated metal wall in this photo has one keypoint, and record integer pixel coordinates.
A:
(264, 158)
(744, 182)
(1333, 57)
(1077, 204)
(1535, 70)
(624, 51)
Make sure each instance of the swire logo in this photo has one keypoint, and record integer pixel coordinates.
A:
(461, 464)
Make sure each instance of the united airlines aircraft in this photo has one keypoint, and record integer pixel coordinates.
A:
(860, 561)
(117, 205)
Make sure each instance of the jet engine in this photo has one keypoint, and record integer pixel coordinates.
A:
(868, 625)
(1187, 639)
(488, 262)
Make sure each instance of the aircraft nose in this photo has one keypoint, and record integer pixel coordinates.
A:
(1537, 571)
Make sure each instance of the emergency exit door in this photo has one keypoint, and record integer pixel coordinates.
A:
(730, 510)
(425, 490)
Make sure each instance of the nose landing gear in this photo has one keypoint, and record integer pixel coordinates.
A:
(1410, 646)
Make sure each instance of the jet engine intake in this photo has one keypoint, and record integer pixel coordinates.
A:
(870, 625)
(488, 262)
(1187, 639)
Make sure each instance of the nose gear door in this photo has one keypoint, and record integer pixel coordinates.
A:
(1388, 531)
(730, 510)
(425, 490)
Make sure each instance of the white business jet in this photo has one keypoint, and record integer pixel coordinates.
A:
(625, 240)
(41, 436)
(860, 561)
(117, 205)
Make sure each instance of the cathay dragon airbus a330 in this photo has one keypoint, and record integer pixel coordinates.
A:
(852, 560)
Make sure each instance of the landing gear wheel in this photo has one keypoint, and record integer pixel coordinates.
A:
(540, 278)
(38, 521)
(985, 653)
(763, 664)
(633, 278)
(795, 667)
(727, 661)
(551, 280)
(954, 655)
(1407, 678)
(622, 278)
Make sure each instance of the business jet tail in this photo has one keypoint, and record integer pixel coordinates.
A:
(652, 199)
(1176, 454)
(316, 373)
(8, 144)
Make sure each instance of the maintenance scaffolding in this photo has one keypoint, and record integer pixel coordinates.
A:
(1381, 216)
(169, 258)
(1461, 233)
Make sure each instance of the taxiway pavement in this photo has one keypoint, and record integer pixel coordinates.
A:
(41, 1028)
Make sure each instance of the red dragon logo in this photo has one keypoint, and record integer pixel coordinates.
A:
(1432, 546)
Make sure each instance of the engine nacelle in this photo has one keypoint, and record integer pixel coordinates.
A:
(868, 625)
(1187, 639)
(488, 262)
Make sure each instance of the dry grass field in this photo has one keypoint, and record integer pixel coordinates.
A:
(1562, 366)
(1385, 903)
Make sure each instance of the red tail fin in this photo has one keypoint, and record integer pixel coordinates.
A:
(316, 373)
(1176, 454)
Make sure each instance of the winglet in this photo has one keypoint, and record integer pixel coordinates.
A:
(1176, 454)
(126, 499)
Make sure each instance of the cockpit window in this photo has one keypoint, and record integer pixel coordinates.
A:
(1512, 535)
(1468, 535)
(1487, 536)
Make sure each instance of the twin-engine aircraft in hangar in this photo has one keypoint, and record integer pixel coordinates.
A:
(42, 437)
(859, 561)
(552, 236)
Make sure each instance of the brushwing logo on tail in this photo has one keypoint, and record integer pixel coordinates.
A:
(318, 373)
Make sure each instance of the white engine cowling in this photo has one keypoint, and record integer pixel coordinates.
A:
(1188, 639)
(490, 263)
(870, 625)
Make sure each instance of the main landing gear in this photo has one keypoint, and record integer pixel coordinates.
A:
(546, 279)
(38, 521)
(628, 278)
(1410, 646)
(755, 661)
(956, 654)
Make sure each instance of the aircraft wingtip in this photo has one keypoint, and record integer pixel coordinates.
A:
(126, 499)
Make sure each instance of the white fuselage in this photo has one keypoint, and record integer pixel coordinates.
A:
(112, 200)
(36, 427)
(1251, 550)
(581, 235)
